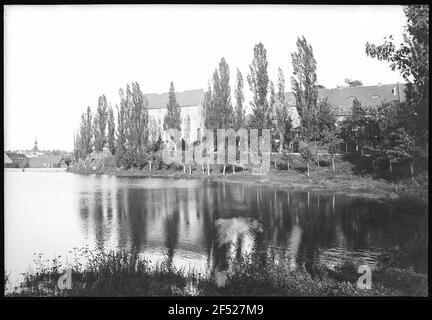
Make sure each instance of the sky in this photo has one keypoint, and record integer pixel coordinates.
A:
(60, 59)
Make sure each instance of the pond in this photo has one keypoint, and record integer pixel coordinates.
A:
(200, 224)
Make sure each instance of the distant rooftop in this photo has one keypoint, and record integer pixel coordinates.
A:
(342, 98)
(184, 99)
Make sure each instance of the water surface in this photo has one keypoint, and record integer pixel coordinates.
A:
(199, 224)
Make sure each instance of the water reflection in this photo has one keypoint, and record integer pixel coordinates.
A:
(206, 224)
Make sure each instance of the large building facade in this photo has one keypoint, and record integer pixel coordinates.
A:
(191, 117)
(340, 98)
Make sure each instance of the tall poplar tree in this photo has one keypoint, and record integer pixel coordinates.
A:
(259, 84)
(239, 96)
(111, 130)
(172, 119)
(304, 83)
(218, 110)
(100, 123)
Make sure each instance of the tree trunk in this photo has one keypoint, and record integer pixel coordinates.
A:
(412, 169)
(333, 165)
(308, 168)
(233, 168)
(390, 166)
(190, 169)
(150, 164)
(287, 165)
(223, 172)
(184, 168)
(346, 147)
(208, 169)
(202, 168)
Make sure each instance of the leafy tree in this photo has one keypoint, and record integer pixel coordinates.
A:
(304, 83)
(111, 131)
(218, 110)
(209, 113)
(332, 140)
(139, 123)
(353, 83)
(411, 58)
(325, 117)
(259, 84)
(122, 117)
(100, 123)
(222, 95)
(239, 109)
(403, 148)
(283, 121)
(360, 126)
(86, 134)
(132, 127)
(172, 119)
(307, 154)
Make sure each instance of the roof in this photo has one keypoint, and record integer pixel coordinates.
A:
(342, 98)
(16, 156)
(7, 159)
(184, 99)
(39, 162)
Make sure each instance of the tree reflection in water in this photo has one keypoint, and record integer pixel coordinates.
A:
(206, 224)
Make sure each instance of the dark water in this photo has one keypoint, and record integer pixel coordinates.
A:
(200, 224)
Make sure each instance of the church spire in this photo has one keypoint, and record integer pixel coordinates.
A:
(35, 148)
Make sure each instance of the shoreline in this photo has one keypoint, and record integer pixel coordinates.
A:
(319, 181)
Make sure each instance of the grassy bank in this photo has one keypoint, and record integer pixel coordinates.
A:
(125, 274)
(346, 178)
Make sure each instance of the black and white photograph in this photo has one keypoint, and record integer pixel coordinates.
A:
(186, 150)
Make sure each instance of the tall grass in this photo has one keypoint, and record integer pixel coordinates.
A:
(121, 273)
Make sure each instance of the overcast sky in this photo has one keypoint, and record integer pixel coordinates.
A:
(59, 59)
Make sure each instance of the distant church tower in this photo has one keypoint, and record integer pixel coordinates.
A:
(35, 148)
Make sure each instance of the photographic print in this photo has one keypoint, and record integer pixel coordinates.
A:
(216, 150)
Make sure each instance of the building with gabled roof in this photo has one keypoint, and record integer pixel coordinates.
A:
(46, 161)
(7, 160)
(19, 160)
(341, 98)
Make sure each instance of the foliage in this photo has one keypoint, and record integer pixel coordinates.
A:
(125, 273)
(217, 107)
(132, 128)
(172, 119)
(411, 58)
(332, 140)
(323, 119)
(259, 85)
(353, 83)
(111, 131)
(83, 139)
(304, 82)
(100, 123)
(306, 151)
(283, 123)
(239, 95)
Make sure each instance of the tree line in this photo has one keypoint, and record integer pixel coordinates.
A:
(396, 131)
